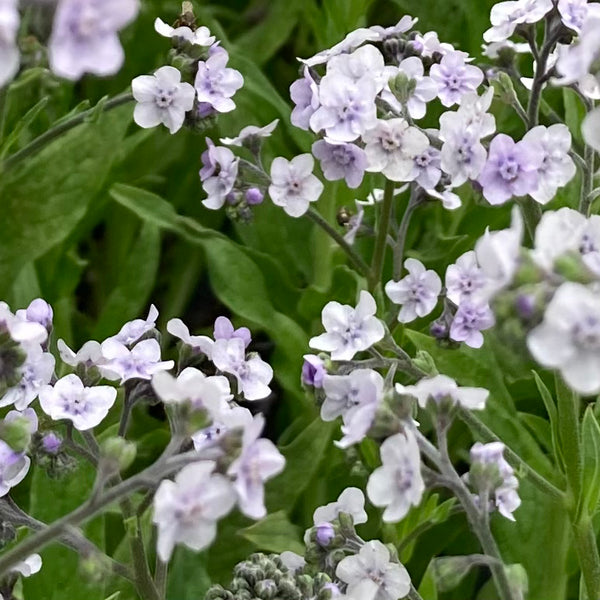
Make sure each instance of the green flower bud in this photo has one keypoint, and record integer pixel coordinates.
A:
(504, 89)
(572, 268)
(266, 589)
(16, 433)
(118, 453)
(425, 362)
(402, 86)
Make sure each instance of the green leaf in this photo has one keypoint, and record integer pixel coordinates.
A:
(427, 588)
(274, 533)
(552, 415)
(590, 433)
(45, 196)
(188, 577)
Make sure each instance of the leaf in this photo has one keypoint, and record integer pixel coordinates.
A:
(45, 196)
(188, 577)
(552, 415)
(274, 533)
(591, 461)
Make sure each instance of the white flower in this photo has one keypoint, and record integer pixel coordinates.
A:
(464, 279)
(398, 483)
(371, 575)
(391, 148)
(69, 399)
(577, 61)
(442, 387)
(89, 354)
(349, 330)
(30, 566)
(590, 129)
(344, 393)
(250, 132)
(200, 37)
(259, 461)
(21, 329)
(225, 417)
(193, 386)
(505, 16)
(367, 61)
(417, 292)
(133, 330)
(186, 510)
(293, 185)
(179, 329)
(141, 362)
(162, 98)
(252, 373)
(351, 501)
(14, 466)
(9, 51)
(568, 339)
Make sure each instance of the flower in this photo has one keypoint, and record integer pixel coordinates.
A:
(442, 387)
(38, 311)
(470, 320)
(568, 339)
(89, 355)
(218, 174)
(351, 502)
(417, 293)
(216, 83)
(253, 374)
(349, 330)
(392, 146)
(341, 161)
(505, 16)
(259, 461)
(427, 165)
(224, 331)
(454, 78)
(21, 329)
(573, 13)
(313, 371)
(398, 483)
(293, 185)
(139, 362)
(9, 50)
(14, 466)
(304, 93)
(371, 574)
(132, 331)
(367, 61)
(85, 407)
(186, 510)
(463, 156)
(28, 567)
(162, 98)
(199, 37)
(557, 167)
(84, 36)
(465, 279)
(347, 107)
(201, 343)
(249, 133)
(590, 129)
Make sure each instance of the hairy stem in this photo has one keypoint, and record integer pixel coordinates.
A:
(413, 202)
(584, 538)
(383, 228)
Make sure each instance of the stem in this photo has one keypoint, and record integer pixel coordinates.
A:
(587, 551)
(56, 131)
(483, 431)
(587, 181)
(353, 256)
(413, 202)
(382, 233)
(160, 577)
(413, 594)
(532, 213)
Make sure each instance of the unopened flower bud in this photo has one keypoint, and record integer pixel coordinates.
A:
(118, 453)
(51, 443)
(16, 433)
(324, 534)
(254, 196)
(425, 362)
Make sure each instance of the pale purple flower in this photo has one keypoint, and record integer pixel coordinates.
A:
(366, 62)
(493, 49)
(13, 467)
(9, 50)
(249, 133)
(428, 166)
(573, 13)
(417, 292)
(357, 424)
(341, 161)
(568, 339)
(162, 98)
(224, 330)
(85, 407)
(38, 311)
(218, 174)
(511, 169)
(89, 355)
(304, 93)
(51, 443)
(22, 330)
(347, 107)
(84, 36)
(199, 37)
(470, 320)
(443, 388)
(454, 78)
(428, 44)
(36, 372)
(225, 418)
(313, 371)
(505, 16)
(402, 26)
(353, 40)
(351, 502)
(465, 280)
(494, 475)
(578, 60)
(132, 331)
(139, 362)
(293, 185)
(216, 83)
(472, 114)
(398, 483)
(349, 330)
(392, 146)
(345, 393)
(253, 374)
(201, 343)
(371, 574)
(259, 461)
(557, 167)
(463, 156)
(186, 510)
(590, 128)
(192, 386)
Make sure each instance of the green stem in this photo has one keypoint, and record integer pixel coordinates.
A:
(353, 256)
(160, 577)
(62, 127)
(383, 228)
(584, 538)
(587, 181)
(413, 202)
(483, 431)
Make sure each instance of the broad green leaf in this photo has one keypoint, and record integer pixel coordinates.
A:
(590, 434)
(274, 533)
(188, 577)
